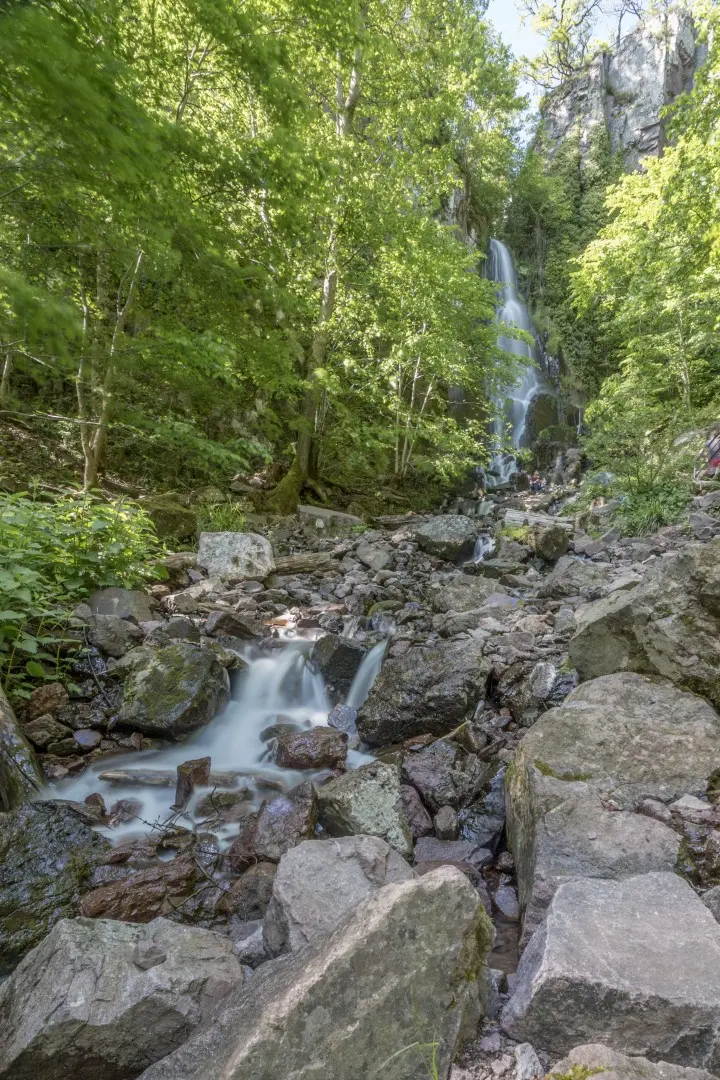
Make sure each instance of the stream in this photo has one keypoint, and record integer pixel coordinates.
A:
(278, 687)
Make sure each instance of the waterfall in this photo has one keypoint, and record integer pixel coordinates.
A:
(366, 675)
(512, 310)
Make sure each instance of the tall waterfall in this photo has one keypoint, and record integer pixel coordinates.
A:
(513, 311)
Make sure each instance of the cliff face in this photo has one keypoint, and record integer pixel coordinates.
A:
(627, 87)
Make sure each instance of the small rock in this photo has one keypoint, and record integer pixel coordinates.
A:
(418, 818)
(46, 700)
(87, 739)
(446, 824)
(491, 1044)
(318, 748)
(44, 730)
(690, 803)
(527, 1063)
(501, 1065)
(192, 772)
(506, 902)
(148, 954)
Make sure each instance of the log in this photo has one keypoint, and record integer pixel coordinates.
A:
(399, 521)
(304, 563)
(163, 778)
(519, 518)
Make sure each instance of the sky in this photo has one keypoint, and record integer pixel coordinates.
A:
(522, 39)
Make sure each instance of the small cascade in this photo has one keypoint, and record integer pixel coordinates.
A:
(484, 545)
(513, 409)
(366, 675)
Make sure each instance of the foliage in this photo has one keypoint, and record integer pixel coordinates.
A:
(651, 279)
(51, 555)
(186, 184)
(225, 516)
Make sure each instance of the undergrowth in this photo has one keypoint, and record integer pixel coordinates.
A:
(52, 554)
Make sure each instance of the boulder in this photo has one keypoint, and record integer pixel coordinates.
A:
(20, 773)
(46, 699)
(230, 624)
(102, 1000)
(47, 854)
(465, 593)
(248, 897)
(549, 542)
(445, 774)
(279, 825)
(575, 577)
(337, 659)
(112, 635)
(450, 537)
(122, 603)
(596, 1058)
(418, 818)
(446, 824)
(171, 691)
(619, 738)
(426, 690)
(320, 881)
(139, 898)
(635, 963)
(529, 689)
(402, 970)
(669, 625)
(429, 849)
(172, 520)
(44, 730)
(367, 802)
(237, 556)
(318, 748)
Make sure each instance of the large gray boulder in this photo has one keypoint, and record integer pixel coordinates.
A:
(596, 1058)
(449, 537)
(240, 556)
(404, 970)
(102, 1000)
(20, 774)
(171, 691)
(669, 625)
(633, 963)
(575, 577)
(47, 854)
(320, 881)
(367, 802)
(426, 690)
(465, 593)
(622, 738)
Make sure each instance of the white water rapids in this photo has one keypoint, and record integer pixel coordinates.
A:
(277, 687)
(512, 409)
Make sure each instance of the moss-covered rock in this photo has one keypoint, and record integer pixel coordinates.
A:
(47, 854)
(172, 691)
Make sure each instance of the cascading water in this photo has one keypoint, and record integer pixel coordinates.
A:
(512, 310)
(278, 687)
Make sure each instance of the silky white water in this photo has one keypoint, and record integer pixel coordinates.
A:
(484, 545)
(277, 687)
(512, 310)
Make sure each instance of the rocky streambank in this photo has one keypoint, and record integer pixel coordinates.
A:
(346, 799)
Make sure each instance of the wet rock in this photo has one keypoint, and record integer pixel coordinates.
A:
(549, 542)
(230, 624)
(610, 956)
(445, 774)
(20, 774)
(46, 700)
(418, 818)
(446, 824)
(483, 821)
(575, 577)
(87, 739)
(451, 537)
(189, 773)
(171, 691)
(615, 1066)
(344, 718)
(122, 603)
(430, 849)
(346, 1003)
(86, 1002)
(506, 901)
(529, 689)
(225, 805)
(367, 802)
(44, 730)
(465, 593)
(159, 890)
(318, 748)
(112, 635)
(667, 626)
(47, 854)
(338, 660)
(279, 825)
(320, 881)
(249, 896)
(426, 690)
(236, 556)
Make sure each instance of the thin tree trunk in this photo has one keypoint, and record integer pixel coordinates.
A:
(5, 377)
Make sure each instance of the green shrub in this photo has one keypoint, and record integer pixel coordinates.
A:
(644, 512)
(224, 516)
(52, 553)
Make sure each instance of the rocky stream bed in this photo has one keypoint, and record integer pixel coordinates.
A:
(341, 803)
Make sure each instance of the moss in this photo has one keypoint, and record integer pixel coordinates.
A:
(578, 1072)
(520, 533)
(569, 777)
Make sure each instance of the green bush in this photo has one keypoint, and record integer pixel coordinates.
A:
(51, 555)
(643, 512)
(224, 516)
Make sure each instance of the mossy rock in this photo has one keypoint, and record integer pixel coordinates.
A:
(172, 520)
